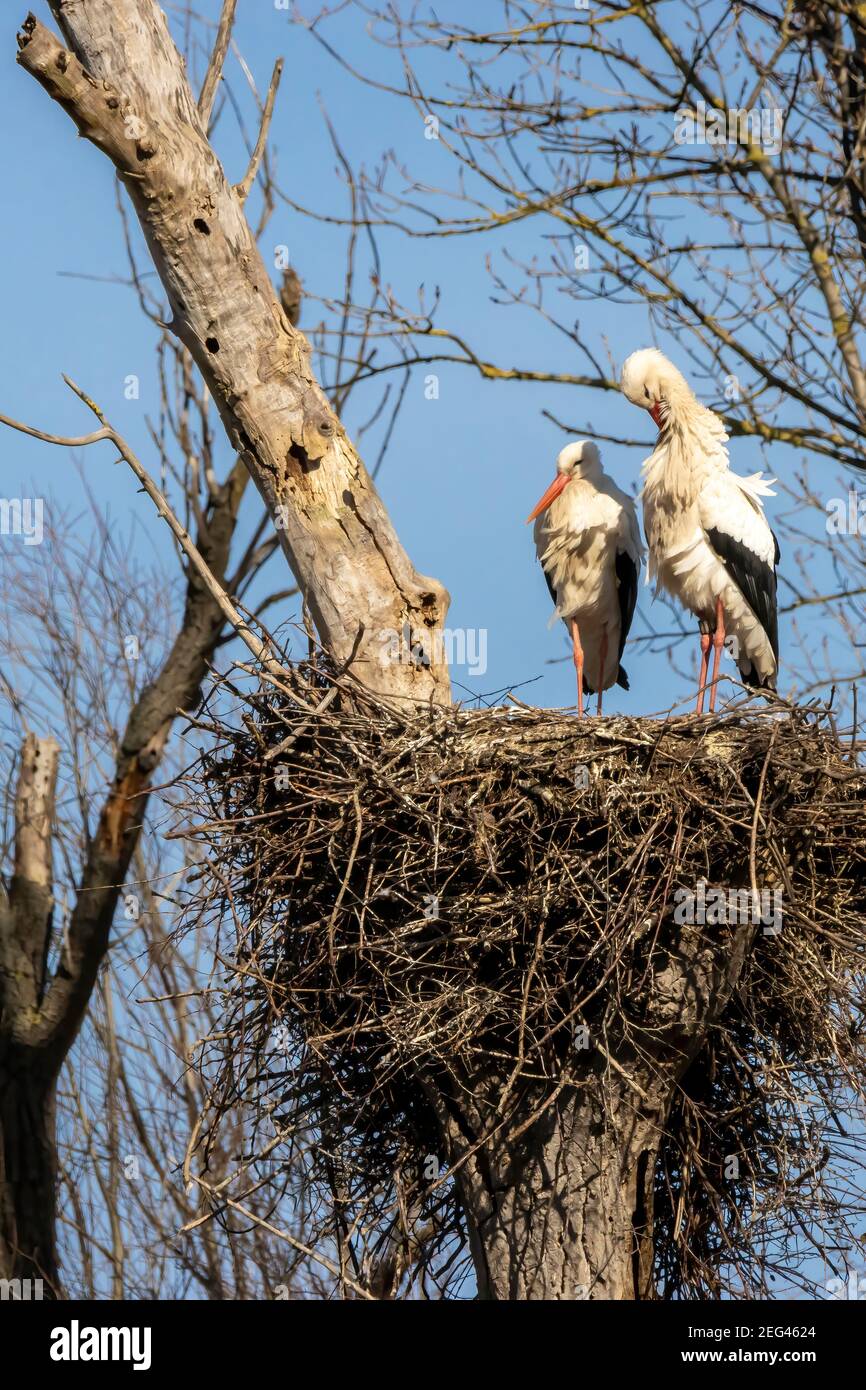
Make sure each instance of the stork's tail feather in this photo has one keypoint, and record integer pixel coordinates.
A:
(621, 679)
(752, 678)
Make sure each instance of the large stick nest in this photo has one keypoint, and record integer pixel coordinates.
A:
(411, 898)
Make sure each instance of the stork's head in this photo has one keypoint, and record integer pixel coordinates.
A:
(651, 381)
(576, 460)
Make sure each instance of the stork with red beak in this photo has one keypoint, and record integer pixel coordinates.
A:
(710, 545)
(588, 541)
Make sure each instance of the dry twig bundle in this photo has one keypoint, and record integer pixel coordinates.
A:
(418, 902)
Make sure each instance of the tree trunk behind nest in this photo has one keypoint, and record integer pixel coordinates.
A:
(558, 1192)
(564, 1212)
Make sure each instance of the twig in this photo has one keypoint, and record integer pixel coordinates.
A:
(243, 188)
(182, 536)
(217, 59)
(283, 1235)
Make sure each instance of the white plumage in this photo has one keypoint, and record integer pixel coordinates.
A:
(588, 542)
(710, 545)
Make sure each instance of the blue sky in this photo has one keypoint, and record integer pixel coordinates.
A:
(462, 471)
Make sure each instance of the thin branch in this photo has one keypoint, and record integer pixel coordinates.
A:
(215, 66)
(181, 535)
(243, 188)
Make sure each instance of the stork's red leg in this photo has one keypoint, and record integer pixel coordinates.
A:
(702, 678)
(718, 643)
(602, 663)
(577, 652)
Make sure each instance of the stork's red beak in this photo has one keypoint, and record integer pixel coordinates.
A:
(551, 495)
(656, 413)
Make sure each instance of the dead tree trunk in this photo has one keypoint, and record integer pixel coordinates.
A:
(124, 85)
(561, 1210)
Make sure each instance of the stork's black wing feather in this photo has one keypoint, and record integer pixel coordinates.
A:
(755, 579)
(550, 587)
(626, 579)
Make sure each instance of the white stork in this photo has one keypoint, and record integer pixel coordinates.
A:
(710, 544)
(588, 541)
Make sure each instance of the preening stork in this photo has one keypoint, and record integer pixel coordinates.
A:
(710, 545)
(588, 541)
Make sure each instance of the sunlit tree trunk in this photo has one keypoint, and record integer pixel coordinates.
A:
(124, 84)
(558, 1188)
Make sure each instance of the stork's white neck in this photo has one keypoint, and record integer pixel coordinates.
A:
(690, 445)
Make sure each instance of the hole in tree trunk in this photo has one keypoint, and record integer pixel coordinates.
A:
(298, 452)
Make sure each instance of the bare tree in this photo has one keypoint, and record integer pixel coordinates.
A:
(130, 1222)
(41, 1021)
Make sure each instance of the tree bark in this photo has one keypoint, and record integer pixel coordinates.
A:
(124, 85)
(564, 1211)
(28, 1170)
(558, 1188)
(28, 1159)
